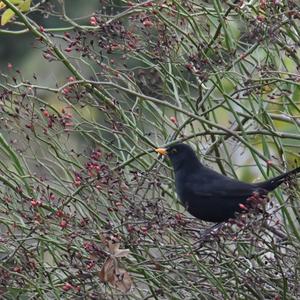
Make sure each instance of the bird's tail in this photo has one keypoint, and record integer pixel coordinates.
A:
(273, 183)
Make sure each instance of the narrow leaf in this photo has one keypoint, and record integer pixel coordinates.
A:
(6, 16)
(25, 6)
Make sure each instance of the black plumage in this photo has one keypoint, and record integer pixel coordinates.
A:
(209, 195)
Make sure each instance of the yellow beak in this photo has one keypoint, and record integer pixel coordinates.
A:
(161, 151)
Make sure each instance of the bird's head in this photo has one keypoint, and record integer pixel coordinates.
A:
(181, 155)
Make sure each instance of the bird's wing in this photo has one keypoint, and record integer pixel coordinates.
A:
(228, 190)
(215, 199)
(214, 184)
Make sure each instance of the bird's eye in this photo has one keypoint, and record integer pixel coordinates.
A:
(173, 151)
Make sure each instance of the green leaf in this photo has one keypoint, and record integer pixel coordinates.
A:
(25, 6)
(6, 16)
(16, 2)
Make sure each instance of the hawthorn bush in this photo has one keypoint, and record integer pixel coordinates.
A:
(88, 210)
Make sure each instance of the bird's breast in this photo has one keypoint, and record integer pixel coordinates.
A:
(181, 188)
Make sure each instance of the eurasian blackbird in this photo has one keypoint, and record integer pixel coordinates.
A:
(209, 195)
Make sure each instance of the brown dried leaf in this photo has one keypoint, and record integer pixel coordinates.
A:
(113, 247)
(121, 253)
(117, 277)
(108, 270)
(123, 281)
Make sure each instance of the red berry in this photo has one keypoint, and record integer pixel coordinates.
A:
(147, 23)
(130, 228)
(93, 21)
(66, 91)
(35, 203)
(242, 206)
(59, 213)
(173, 120)
(67, 286)
(63, 224)
(46, 113)
(77, 182)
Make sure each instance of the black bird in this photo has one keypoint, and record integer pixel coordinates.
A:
(209, 195)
